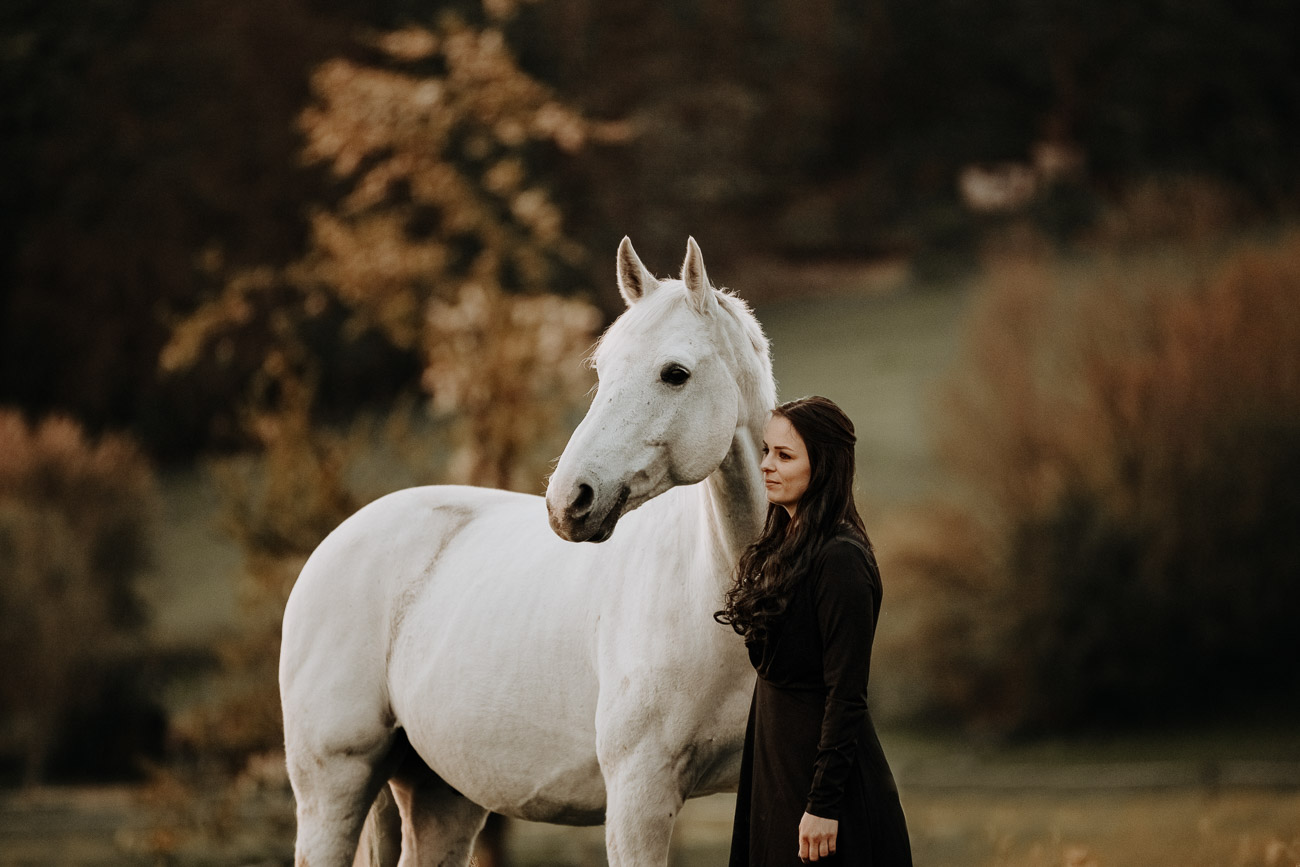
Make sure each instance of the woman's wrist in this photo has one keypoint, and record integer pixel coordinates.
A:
(822, 810)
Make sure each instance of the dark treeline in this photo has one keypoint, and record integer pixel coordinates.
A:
(150, 148)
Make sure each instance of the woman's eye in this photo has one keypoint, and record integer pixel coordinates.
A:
(675, 374)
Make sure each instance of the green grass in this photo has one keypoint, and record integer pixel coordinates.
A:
(190, 588)
(1194, 828)
(881, 358)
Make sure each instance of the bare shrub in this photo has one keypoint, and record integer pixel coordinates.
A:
(1127, 543)
(1172, 208)
(75, 515)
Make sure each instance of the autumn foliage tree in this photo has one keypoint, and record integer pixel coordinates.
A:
(442, 237)
(443, 243)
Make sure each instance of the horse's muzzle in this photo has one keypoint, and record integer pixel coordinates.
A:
(584, 519)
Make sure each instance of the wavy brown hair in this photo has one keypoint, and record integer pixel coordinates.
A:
(772, 566)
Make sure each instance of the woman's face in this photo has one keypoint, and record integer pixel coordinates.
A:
(785, 466)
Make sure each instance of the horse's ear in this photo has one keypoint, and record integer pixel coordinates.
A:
(696, 279)
(634, 281)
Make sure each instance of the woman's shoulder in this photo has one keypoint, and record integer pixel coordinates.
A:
(848, 542)
(846, 556)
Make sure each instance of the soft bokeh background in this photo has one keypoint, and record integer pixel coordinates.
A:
(264, 261)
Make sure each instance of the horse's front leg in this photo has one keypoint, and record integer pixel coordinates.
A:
(643, 797)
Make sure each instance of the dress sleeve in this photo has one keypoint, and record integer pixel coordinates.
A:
(843, 595)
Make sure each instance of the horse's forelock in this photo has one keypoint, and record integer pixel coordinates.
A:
(644, 315)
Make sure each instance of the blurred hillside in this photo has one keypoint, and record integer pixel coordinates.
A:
(153, 150)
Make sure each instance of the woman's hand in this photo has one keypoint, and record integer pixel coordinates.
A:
(816, 837)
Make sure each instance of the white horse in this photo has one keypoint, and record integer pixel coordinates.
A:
(445, 640)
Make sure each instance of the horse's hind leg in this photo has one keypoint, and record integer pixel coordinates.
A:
(438, 823)
(334, 790)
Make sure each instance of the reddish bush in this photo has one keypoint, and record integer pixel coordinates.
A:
(1128, 544)
(74, 522)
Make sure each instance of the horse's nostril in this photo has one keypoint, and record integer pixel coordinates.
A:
(582, 502)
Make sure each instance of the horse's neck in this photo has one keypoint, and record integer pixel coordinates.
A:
(706, 526)
(735, 501)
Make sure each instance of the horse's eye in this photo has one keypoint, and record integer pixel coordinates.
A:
(675, 374)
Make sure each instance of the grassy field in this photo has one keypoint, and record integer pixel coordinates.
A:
(1209, 795)
(1183, 828)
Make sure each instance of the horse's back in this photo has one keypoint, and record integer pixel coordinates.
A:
(386, 538)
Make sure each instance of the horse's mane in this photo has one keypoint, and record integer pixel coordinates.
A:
(761, 391)
(742, 330)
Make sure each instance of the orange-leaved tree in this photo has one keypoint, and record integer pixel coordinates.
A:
(445, 244)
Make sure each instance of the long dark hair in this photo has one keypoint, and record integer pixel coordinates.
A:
(771, 567)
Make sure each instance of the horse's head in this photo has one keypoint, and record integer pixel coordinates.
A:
(677, 372)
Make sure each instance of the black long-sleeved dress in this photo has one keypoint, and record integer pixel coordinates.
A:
(810, 745)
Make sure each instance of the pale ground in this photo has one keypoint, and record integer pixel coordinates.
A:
(1180, 827)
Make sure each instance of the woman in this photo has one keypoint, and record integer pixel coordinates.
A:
(813, 780)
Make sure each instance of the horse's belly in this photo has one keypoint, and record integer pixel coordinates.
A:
(493, 682)
(514, 763)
